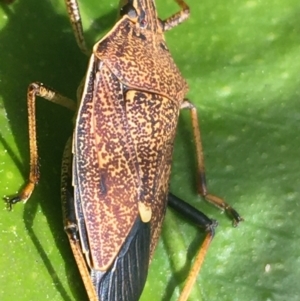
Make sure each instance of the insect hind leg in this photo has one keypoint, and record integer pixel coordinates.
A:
(202, 187)
(202, 221)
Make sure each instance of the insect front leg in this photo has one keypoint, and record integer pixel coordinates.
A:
(34, 90)
(202, 187)
(75, 19)
(202, 221)
(177, 18)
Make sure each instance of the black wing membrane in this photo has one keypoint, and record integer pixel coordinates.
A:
(126, 278)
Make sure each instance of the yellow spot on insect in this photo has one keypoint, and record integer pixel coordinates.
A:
(145, 212)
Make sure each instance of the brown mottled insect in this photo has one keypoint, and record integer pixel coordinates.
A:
(116, 167)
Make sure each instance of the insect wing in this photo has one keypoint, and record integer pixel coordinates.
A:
(152, 120)
(106, 181)
(126, 278)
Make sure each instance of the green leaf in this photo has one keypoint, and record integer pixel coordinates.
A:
(242, 62)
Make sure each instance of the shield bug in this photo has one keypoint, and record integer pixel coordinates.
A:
(116, 166)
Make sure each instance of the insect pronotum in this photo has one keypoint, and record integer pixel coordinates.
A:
(116, 166)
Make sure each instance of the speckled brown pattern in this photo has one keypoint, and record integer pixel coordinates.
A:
(152, 120)
(124, 134)
(123, 144)
(107, 173)
(122, 147)
(140, 59)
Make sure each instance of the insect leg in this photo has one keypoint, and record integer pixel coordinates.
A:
(34, 90)
(177, 18)
(201, 220)
(70, 223)
(202, 187)
(75, 19)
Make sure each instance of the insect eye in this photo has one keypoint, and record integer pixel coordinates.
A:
(143, 23)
